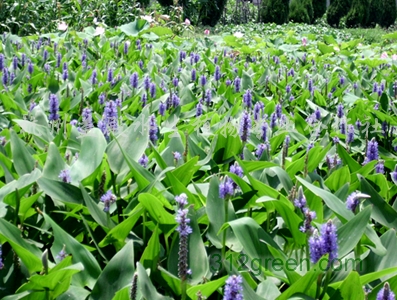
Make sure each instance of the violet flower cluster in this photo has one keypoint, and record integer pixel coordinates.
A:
(327, 243)
(184, 230)
(234, 288)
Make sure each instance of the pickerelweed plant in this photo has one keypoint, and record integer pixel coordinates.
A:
(274, 151)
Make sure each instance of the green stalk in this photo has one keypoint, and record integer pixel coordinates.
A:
(327, 280)
(183, 289)
(224, 232)
(18, 200)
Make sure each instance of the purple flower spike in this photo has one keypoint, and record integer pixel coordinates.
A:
(237, 84)
(380, 167)
(300, 201)
(134, 80)
(385, 293)
(234, 288)
(226, 188)
(87, 118)
(372, 151)
(143, 161)
(54, 108)
(247, 99)
(162, 108)
(339, 111)
(203, 80)
(245, 126)
(65, 176)
(194, 75)
(315, 247)
(153, 129)
(260, 149)
(217, 75)
(108, 198)
(330, 240)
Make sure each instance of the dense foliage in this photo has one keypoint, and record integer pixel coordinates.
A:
(337, 10)
(139, 164)
(298, 13)
(358, 14)
(275, 11)
(319, 8)
(389, 13)
(375, 12)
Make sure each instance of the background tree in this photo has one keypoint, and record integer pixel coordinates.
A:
(275, 11)
(389, 13)
(358, 13)
(319, 8)
(337, 10)
(211, 12)
(375, 13)
(298, 12)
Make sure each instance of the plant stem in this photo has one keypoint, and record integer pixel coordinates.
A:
(183, 289)
(224, 232)
(327, 280)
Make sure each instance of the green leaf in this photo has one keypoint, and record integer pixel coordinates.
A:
(133, 28)
(117, 274)
(42, 132)
(23, 182)
(157, 212)
(206, 289)
(93, 147)
(119, 233)
(80, 254)
(28, 253)
(23, 160)
(61, 191)
(351, 232)
(97, 214)
(146, 286)
(382, 212)
(351, 288)
(150, 256)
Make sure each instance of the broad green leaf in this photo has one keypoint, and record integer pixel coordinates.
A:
(23, 160)
(93, 147)
(150, 256)
(61, 191)
(117, 274)
(80, 254)
(146, 286)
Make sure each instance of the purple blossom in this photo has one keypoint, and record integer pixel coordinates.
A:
(372, 151)
(317, 114)
(264, 129)
(358, 124)
(237, 84)
(257, 110)
(153, 129)
(108, 198)
(14, 63)
(228, 82)
(300, 201)
(162, 108)
(23, 60)
(182, 56)
(146, 83)
(62, 254)
(110, 115)
(30, 68)
(93, 77)
(203, 80)
(273, 120)
(5, 77)
(315, 247)
(208, 97)
(385, 293)
(247, 99)
(101, 98)
(342, 126)
(339, 111)
(217, 74)
(226, 188)
(152, 89)
(177, 156)
(87, 118)
(278, 110)
(194, 75)
(138, 44)
(307, 225)
(288, 89)
(54, 108)
(103, 127)
(126, 46)
(110, 75)
(380, 167)
(32, 106)
(143, 161)
(260, 149)
(245, 126)
(234, 288)
(175, 100)
(59, 58)
(352, 201)
(330, 240)
(2, 59)
(335, 139)
(134, 80)
(199, 109)
(175, 81)
(65, 176)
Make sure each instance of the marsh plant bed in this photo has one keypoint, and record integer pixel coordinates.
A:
(247, 164)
